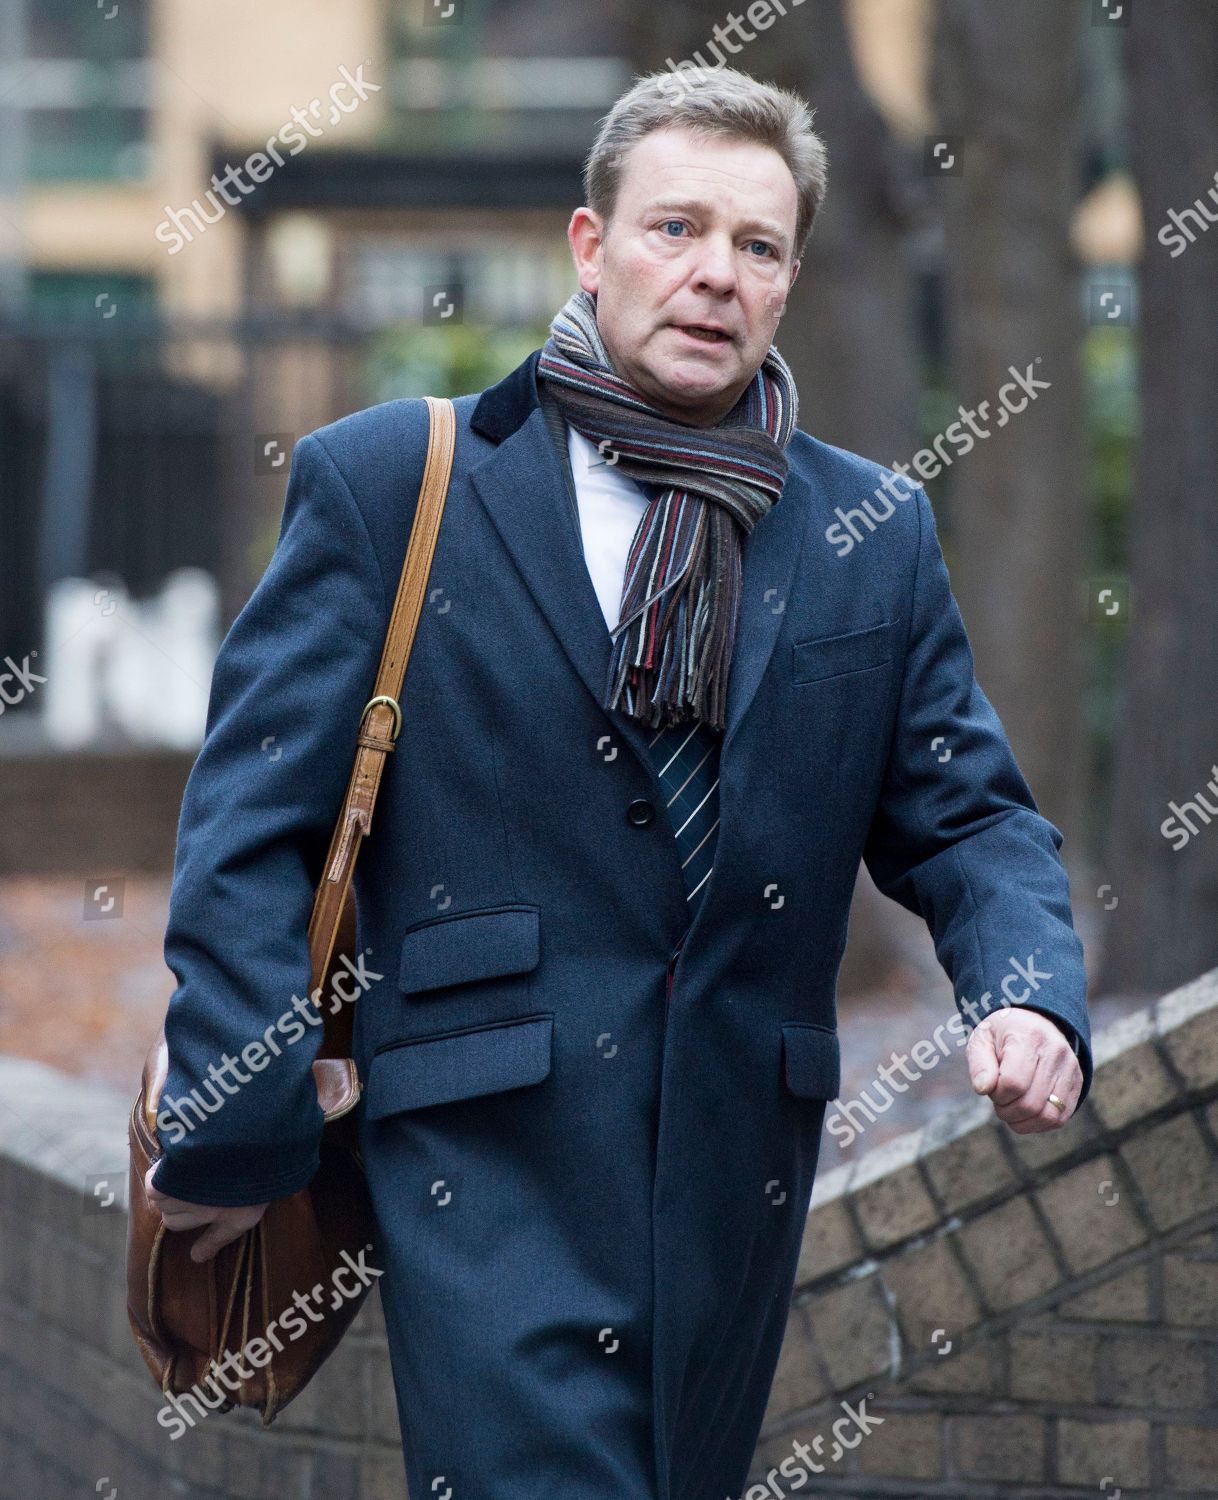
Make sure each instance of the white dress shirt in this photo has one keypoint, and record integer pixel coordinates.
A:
(610, 505)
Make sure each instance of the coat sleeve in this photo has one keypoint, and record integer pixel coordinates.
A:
(288, 688)
(958, 838)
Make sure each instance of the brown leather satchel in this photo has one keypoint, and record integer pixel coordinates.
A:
(187, 1316)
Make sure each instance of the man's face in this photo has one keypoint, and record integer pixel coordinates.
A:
(701, 234)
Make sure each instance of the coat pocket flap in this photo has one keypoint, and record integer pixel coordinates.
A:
(468, 946)
(812, 1060)
(458, 1065)
(835, 655)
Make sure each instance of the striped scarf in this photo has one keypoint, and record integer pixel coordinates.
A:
(672, 645)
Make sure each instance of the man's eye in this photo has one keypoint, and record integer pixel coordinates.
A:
(768, 248)
(668, 223)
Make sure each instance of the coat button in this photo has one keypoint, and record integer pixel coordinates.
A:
(640, 812)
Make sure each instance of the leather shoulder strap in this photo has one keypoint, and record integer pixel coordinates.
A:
(381, 720)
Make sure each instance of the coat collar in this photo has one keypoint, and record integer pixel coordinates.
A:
(503, 407)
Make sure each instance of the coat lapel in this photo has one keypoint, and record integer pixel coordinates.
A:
(522, 488)
(769, 559)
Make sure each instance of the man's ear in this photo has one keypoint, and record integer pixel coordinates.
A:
(586, 236)
(794, 273)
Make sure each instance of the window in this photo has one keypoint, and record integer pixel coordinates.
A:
(83, 87)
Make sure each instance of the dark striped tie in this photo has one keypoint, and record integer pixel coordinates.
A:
(686, 758)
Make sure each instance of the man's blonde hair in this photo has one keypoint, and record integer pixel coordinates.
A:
(712, 102)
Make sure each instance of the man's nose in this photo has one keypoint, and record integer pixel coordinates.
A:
(716, 266)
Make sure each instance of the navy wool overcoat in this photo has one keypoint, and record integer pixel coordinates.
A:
(590, 1154)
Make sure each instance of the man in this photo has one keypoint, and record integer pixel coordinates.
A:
(652, 722)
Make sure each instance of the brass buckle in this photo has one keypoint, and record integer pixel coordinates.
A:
(393, 704)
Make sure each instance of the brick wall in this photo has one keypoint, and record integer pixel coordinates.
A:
(1029, 1316)
(88, 812)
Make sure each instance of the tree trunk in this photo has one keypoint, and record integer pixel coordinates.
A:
(1165, 928)
(1008, 82)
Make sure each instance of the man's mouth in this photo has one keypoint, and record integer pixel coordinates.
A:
(704, 334)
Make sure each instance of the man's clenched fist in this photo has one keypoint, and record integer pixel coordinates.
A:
(1019, 1057)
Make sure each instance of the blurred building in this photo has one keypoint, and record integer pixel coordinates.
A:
(223, 225)
(115, 123)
